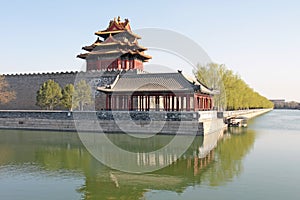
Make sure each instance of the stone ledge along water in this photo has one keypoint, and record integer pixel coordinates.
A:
(250, 113)
(185, 123)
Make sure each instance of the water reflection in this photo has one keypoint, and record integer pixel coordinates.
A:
(229, 156)
(62, 154)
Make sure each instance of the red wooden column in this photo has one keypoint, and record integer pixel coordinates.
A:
(167, 102)
(177, 103)
(133, 64)
(109, 102)
(126, 64)
(113, 102)
(196, 103)
(144, 103)
(128, 102)
(141, 103)
(116, 100)
(119, 103)
(188, 108)
(182, 102)
(119, 64)
(148, 102)
(207, 100)
(201, 103)
(132, 103)
(173, 102)
(208, 103)
(156, 103)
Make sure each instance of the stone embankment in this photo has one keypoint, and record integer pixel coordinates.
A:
(251, 113)
(185, 123)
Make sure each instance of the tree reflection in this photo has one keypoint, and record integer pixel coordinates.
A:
(229, 156)
(55, 152)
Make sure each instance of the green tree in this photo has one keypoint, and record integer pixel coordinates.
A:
(237, 93)
(5, 94)
(82, 95)
(211, 77)
(49, 95)
(67, 95)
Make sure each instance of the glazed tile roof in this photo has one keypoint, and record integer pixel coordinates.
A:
(152, 82)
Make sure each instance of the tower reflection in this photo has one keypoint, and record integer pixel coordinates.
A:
(205, 162)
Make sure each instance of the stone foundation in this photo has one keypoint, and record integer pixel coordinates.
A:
(103, 121)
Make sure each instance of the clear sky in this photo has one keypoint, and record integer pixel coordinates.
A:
(260, 40)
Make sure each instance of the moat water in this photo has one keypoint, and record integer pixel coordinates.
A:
(258, 162)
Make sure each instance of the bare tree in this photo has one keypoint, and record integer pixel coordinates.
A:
(5, 94)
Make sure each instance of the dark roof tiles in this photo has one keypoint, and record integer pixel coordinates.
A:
(155, 82)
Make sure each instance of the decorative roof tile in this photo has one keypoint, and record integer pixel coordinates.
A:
(152, 82)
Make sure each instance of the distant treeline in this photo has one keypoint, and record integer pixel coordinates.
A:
(234, 94)
(287, 105)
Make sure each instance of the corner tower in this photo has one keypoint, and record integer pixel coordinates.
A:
(116, 48)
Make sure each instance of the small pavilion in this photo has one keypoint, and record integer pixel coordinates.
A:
(157, 92)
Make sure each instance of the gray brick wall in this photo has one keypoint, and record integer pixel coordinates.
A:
(27, 85)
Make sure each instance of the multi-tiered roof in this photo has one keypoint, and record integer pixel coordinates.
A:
(115, 48)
